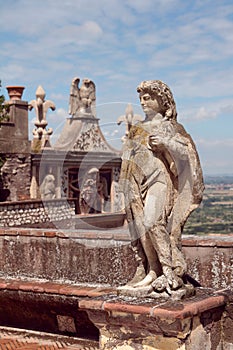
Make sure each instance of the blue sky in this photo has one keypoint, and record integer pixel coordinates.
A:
(117, 44)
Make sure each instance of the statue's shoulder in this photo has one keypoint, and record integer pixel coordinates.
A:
(180, 130)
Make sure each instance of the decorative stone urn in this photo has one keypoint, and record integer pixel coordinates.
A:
(15, 92)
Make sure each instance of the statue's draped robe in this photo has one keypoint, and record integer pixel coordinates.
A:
(174, 164)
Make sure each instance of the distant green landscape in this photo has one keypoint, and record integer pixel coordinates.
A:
(215, 214)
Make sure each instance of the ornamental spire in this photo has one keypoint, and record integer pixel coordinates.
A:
(41, 134)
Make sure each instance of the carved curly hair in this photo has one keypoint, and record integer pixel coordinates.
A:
(157, 88)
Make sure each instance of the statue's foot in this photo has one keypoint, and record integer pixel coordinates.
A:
(139, 275)
(172, 279)
(167, 283)
(160, 284)
(150, 277)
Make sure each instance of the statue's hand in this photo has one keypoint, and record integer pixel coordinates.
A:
(156, 141)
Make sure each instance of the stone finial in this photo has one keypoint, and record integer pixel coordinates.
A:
(41, 134)
(129, 118)
(15, 92)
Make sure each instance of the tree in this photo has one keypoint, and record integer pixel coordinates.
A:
(4, 109)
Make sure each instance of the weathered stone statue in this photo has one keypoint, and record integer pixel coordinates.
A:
(47, 188)
(82, 100)
(161, 178)
(89, 199)
(102, 189)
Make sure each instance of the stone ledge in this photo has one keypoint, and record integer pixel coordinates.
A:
(107, 234)
(64, 289)
(27, 202)
(180, 310)
(120, 233)
(153, 308)
(211, 240)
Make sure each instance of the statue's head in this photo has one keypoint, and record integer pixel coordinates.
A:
(158, 90)
(76, 81)
(47, 188)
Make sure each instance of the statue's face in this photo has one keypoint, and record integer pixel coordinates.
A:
(150, 105)
(50, 184)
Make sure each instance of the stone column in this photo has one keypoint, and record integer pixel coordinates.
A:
(58, 182)
(34, 185)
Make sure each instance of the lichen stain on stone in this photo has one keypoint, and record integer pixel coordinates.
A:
(186, 329)
(219, 270)
(165, 343)
(119, 314)
(198, 337)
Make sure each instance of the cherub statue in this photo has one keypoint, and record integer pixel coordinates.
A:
(82, 100)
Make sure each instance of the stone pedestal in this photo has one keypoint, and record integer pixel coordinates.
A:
(201, 322)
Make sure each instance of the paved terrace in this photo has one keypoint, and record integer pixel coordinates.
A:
(12, 339)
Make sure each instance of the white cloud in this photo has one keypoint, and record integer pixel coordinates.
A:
(228, 109)
(12, 72)
(86, 33)
(213, 109)
(201, 114)
(56, 121)
(228, 143)
(216, 156)
(59, 114)
(59, 96)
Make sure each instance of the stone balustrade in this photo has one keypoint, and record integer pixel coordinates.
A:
(35, 212)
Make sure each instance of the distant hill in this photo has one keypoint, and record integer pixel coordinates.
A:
(218, 179)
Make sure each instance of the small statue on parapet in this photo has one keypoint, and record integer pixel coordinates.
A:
(93, 192)
(162, 181)
(88, 201)
(82, 100)
(47, 188)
